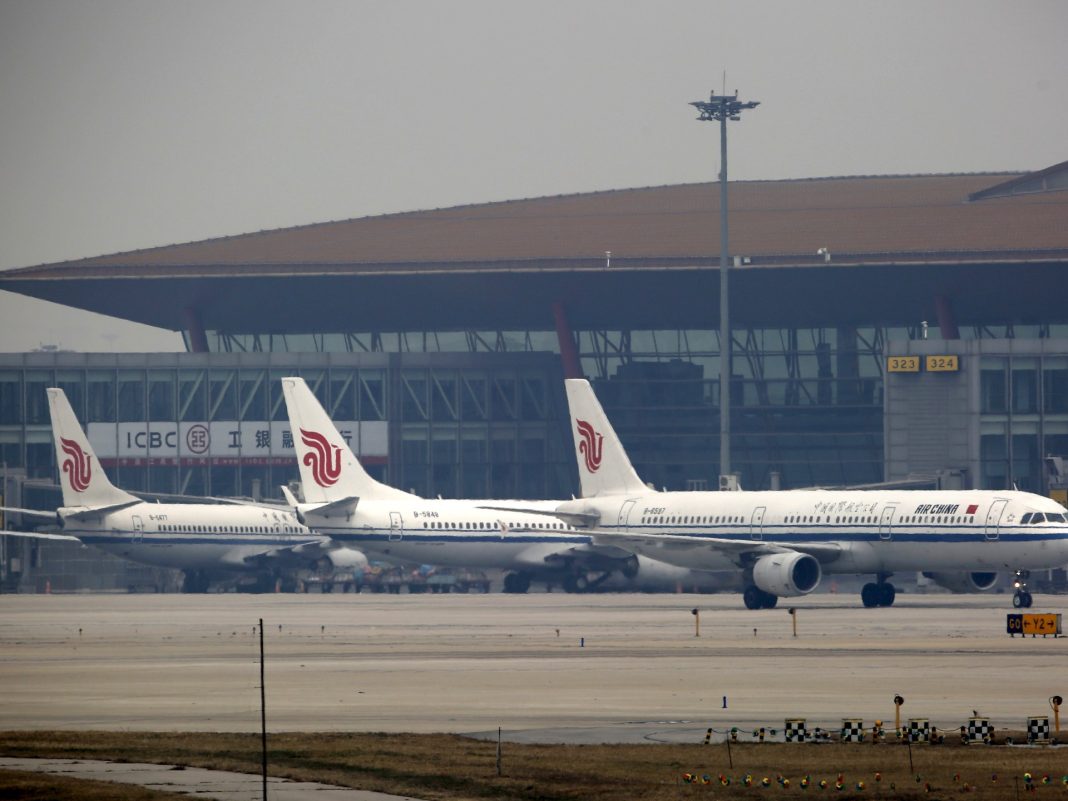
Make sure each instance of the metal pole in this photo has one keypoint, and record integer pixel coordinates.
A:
(723, 108)
(263, 715)
(724, 311)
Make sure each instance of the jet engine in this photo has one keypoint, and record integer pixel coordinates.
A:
(964, 581)
(347, 557)
(787, 574)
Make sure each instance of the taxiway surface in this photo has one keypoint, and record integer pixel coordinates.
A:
(543, 667)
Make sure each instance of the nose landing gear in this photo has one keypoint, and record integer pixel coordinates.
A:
(1021, 599)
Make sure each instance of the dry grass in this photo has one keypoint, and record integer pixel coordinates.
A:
(31, 786)
(452, 767)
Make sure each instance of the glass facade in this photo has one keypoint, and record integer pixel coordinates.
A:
(806, 403)
(1023, 417)
(467, 426)
(482, 414)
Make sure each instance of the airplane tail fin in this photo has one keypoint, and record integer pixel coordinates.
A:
(81, 476)
(604, 468)
(329, 470)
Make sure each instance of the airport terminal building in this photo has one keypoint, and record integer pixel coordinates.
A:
(883, 328)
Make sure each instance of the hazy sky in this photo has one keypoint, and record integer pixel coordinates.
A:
(134, 124)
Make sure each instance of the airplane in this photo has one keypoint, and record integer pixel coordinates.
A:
(345, 503)
(784, 541)
(205, 541)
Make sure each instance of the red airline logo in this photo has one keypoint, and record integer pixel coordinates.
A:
(76, 465)
(590, 445)
(324, 459)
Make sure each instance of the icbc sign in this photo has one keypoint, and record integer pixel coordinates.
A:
(198, 439)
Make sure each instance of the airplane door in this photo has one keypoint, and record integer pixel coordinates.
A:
(756, 525)
(396, 527)
(993, 518)
(885, 523)
(138, 527)
(624, 514)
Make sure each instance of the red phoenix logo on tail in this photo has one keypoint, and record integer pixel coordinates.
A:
(590, 445)
(76, 465)
(324, 459)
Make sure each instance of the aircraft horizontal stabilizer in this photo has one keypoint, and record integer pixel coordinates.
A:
(40, 535)
(343, 507)
(99, 511)
(202, 500)
(30, 512)
(578, 519)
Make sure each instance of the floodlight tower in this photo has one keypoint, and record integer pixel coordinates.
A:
(721, 108)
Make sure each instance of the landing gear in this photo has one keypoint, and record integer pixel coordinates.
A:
(1021, 599)
(195, 581)
(756, 598)
(576, 583)
(585, 582)
(516, 583)
(881, 593)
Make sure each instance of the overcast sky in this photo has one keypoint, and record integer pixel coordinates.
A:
(128, 124)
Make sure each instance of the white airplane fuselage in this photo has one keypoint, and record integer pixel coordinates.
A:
(189, 536)
(878, 531)
(452, 533)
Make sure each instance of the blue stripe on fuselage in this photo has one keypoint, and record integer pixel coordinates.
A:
(845, 533)
(385, 535)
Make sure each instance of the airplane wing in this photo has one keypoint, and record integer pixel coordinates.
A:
(710, 552)
(590, 555)
(302, 553)
(40, 535)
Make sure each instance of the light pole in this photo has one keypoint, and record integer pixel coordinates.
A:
(721, 108)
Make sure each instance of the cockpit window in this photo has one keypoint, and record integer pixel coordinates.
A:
(1038, 518)
(1054, 517)
(1025, 519)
